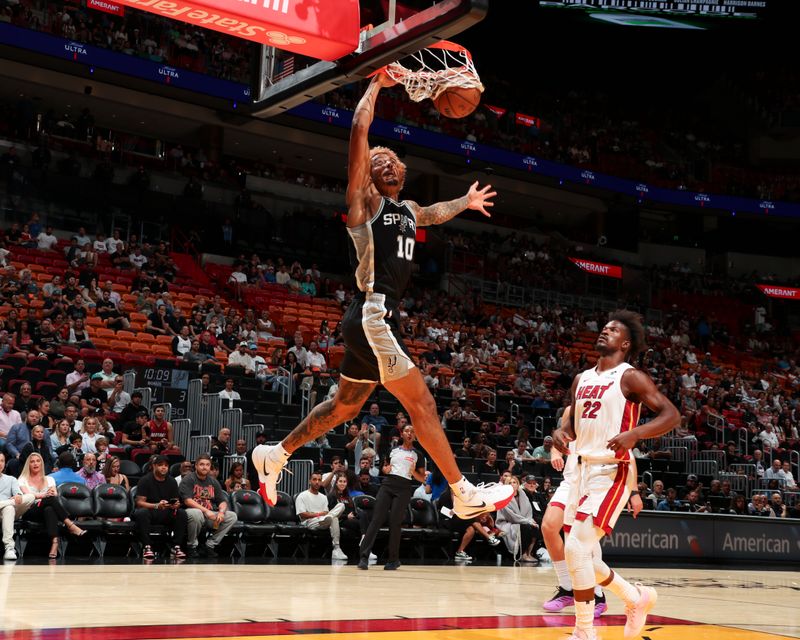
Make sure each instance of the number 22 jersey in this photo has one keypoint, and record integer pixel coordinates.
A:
(602, 412)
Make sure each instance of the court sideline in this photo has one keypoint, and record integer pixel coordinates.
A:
(260, 600)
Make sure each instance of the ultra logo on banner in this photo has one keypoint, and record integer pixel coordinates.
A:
(598, 268)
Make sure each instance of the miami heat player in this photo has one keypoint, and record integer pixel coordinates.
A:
(606, 401)
(382, 229)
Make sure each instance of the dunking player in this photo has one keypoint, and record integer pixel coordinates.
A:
(606, 401)
(553, 522)
(383, 232)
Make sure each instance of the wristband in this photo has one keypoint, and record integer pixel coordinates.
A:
(634, 493)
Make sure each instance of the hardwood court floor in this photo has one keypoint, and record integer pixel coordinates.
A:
(159, 601)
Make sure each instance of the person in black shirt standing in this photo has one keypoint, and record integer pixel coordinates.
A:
(382, 229)
(393, 498)
(158, 502)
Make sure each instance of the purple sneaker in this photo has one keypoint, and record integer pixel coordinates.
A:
(600, 606)
(561, 598)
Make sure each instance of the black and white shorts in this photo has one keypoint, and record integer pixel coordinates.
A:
(374, 349)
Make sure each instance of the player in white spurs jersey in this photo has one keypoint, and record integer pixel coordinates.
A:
(606, 401)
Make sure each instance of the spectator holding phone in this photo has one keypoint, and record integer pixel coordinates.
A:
(158, 502)
(206, 507)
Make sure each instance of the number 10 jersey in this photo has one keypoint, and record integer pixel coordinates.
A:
(384, 250)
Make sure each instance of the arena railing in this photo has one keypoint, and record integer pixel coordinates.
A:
(713, 454)
(249, 432)
(704, 468)
(182, 433)
(489, 400)
(233, 419)
(739, 483)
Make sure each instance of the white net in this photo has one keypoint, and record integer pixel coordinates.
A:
(430, 72)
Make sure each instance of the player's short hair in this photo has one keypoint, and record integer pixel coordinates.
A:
(633, 323)
(388, 152)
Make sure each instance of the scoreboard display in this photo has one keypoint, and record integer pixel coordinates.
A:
(166, 385)
(686, 8)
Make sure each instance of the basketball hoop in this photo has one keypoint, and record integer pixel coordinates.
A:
(431, 71)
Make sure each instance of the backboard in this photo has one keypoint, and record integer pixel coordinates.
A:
(288, 80)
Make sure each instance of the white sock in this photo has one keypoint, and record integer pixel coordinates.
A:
(623, 589)
(584, 615)
(598, 591)
(462, 487)
(562, 573)
(280, 453)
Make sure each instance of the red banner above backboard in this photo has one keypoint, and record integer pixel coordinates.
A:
(104, 5)
(788, 293)
(326, 29)
(598, 268)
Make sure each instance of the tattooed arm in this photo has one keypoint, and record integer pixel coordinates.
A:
(441, 212)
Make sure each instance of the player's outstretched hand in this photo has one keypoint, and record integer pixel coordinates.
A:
(623, 441)
(557, 461)
(479, 199)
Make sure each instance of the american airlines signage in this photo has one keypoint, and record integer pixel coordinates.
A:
(704, 536)
(774, 291)
(598, 268)
(328, 32)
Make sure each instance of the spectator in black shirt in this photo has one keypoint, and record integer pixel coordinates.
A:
(77, 309)
(73, 448)
(489, 470)
(220, 446)
(504, 438)
(177, 322)
(105, 303)
(117, 318)
(131, 410)
(158, 502)
(228, 340)
(47, 340)
(93, 397)
(732, 455)
(197, 324)
(136, 434)
(692, 504)
(206, 346)
(53, 305)
(157, 322)
(25, 400)
(71, 289)
(691, 485)
(365, 484)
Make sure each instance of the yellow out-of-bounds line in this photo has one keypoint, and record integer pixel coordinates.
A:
(676, 632)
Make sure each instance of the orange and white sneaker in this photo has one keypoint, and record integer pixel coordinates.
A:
(636, 614)
(484, 498)
(269, 465)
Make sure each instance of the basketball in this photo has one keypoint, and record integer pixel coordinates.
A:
(457, 102)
